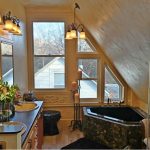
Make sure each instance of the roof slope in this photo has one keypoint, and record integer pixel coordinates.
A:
(122, 29)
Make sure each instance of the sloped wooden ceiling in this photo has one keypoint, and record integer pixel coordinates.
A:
(122, 29)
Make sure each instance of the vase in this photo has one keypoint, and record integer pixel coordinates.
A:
(7, 111)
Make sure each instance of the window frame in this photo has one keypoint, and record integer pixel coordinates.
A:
(121, 90)
(49, 56)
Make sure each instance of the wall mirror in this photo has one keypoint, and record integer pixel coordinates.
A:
(6, 61)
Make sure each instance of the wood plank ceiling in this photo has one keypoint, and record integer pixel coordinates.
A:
(122, 29)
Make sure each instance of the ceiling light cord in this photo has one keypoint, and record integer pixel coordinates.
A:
(76, 7)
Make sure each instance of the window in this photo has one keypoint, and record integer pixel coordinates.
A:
(113, 88)
(49, 55)
(7, 62)
(85, 46)
(88, 84)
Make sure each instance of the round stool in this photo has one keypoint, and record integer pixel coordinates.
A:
(50, 119)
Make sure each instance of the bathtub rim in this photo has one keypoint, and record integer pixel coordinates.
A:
(111, 119)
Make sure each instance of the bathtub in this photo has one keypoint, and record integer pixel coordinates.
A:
(119, 114)
(116, 127)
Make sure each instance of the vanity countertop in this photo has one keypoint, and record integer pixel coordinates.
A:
(27, 118)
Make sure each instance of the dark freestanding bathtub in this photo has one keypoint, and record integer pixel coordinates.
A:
(116, 127)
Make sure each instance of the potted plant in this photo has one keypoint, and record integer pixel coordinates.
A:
(8, 93)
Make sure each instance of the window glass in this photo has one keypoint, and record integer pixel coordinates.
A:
(85, 46)
(45, 74)
(48, 45)
(59, 80)
(88, 67)
(48, 38)
(113, 89)
(88, 89)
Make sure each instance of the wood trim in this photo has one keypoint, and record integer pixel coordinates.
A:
(3, 144)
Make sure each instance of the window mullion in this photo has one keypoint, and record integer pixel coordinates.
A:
(89, 79)
(49, 55)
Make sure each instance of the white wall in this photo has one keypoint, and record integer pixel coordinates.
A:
(20, 51)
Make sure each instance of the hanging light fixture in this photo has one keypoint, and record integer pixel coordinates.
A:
(11, 24)
(73, 29)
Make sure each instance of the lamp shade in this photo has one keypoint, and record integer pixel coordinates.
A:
(73, 34)
(68, 35)
(82, 35)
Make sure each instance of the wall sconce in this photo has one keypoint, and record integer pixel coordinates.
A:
(73, 29)
(11, 24)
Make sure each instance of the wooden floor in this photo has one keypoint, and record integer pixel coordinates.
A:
(65, 137)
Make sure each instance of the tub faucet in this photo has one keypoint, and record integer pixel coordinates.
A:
(108, 100)
(121, 102)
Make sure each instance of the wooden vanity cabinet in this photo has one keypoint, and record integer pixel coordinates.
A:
(35, 137)
(31, 141)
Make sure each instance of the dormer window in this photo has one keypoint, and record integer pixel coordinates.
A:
(113, 87)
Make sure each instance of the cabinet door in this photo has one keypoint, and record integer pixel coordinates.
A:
(35, 137)
(31, 142)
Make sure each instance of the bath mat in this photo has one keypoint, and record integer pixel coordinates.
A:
(84, 143)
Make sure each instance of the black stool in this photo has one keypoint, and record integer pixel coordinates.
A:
(50, 119)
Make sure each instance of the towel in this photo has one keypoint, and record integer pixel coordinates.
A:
(147, 142)
(146, 124)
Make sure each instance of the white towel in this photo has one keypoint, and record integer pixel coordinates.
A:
(146, 127)
(147, 142)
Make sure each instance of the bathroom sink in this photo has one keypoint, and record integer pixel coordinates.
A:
(12, 126)
(25, 106)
